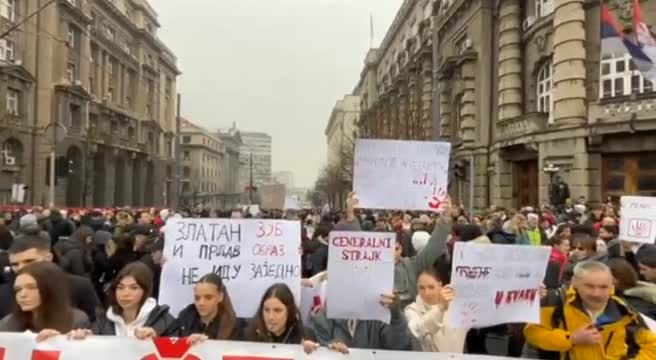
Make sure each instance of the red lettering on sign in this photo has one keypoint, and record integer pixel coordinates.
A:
(268, 230)
(45, 355)
(171, 349)
(268, 250)
(515, 296)
(361, 255)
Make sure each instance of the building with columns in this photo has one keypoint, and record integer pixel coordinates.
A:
(97, 69)
(520, 86)
(396, 84)
(341, 130)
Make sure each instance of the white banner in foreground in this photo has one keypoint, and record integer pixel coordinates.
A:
(496, 284)
(24, 347)
(393, 174)
(249, 255)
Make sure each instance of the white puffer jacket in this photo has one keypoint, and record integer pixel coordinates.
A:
(429, 326)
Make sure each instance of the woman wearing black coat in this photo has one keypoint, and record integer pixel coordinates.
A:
(211, 316)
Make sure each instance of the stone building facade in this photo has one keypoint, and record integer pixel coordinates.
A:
(97, 69)
(231, 138)
(520, 86)
(202, 157)
(396, 84)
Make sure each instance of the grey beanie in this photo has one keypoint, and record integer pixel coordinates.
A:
(27, 220)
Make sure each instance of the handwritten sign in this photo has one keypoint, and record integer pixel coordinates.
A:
(249, 255)
(361, 268)
(393, 174)
(638, 219)
(496, 284)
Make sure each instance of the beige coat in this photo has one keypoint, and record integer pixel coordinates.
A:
(429, 325)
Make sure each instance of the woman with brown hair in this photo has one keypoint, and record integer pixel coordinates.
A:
(132, 311)
(278, 321)
(640, 295)
(211, 316)
(43, 303)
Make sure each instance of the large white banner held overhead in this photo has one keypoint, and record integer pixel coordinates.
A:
(394, 174)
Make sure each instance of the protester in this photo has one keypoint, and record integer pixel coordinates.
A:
(74, 253)
(43, 307)
(591, 323)
(428, 315)
(278, 320)
(132, 312)
(558, 260)
(340, 335)
(28, 249)
(640, 295)
(211, 316)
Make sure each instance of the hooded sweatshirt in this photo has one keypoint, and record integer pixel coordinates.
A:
(123, 329)
(429, 325)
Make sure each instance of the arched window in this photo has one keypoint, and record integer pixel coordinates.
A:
(619, 77)
(545, 88)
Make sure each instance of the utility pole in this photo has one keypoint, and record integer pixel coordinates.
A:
(250, 186)
(178, 168)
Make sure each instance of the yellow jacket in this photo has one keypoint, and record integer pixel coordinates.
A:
(623, 322)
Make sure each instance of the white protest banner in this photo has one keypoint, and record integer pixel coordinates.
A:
(250, 255)
(496, 284)
(361, 268)
(638, 222)
(22, 346)
(394, 174)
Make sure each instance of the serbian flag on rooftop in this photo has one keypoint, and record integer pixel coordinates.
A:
(642, 46)
(612, 34)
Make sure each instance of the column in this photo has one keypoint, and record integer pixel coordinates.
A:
(510, 60)
(468, 110)
(569, 63)
(445, 110)
(426, 98)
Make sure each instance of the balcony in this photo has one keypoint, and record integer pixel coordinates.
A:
(526, 124)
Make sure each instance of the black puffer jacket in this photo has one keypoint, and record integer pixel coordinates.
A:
(189, 323)
(73, 256)
(159, 319)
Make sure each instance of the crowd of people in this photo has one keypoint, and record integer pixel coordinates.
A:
(96, 272)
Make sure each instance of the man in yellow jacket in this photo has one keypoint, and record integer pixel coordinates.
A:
(589, 323)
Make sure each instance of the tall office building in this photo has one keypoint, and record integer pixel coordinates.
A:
(258, 145)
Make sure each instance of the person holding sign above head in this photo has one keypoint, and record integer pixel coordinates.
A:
(211, 316)
(278, 321)
(132, 312)
(427, 317)
(43, 303)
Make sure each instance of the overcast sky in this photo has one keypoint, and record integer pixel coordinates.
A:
(276, 66)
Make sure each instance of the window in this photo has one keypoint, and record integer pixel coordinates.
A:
(131, 132)
(186, 155)
(110, 94)
(543, 8)
(70, 73)
(545, 88)
(620, 77)
(114, 127)
(76, 116)
(7, 50)
(70, 36)
(186, 139)
(629, 174)
(8, 9)
(13, 98)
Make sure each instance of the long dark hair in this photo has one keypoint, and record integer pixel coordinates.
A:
(55, 311)
(142, 275)
(226, 312)
(257, 330)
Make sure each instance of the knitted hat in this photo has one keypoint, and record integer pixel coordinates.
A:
(419, 240)
(28, 220)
